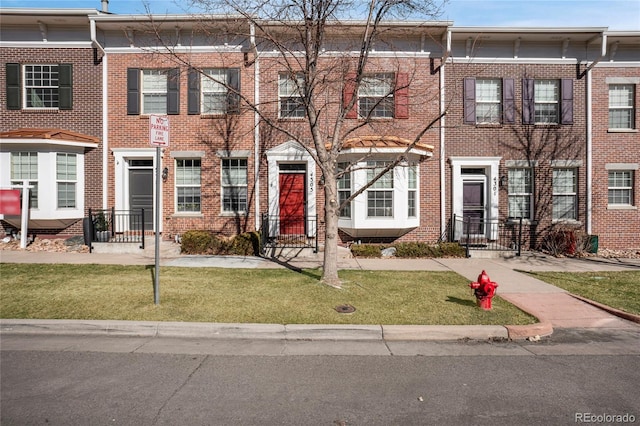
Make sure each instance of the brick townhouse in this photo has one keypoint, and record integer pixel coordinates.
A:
(615, 150)
(50, 117)
(540, 125)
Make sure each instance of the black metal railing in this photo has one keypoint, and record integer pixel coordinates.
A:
(288, 232)
(115, 226)
(487, 234)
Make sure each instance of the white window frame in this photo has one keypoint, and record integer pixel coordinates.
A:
(181, 183)
(228, 186)
(542, 101)
(378, 87)
(412, 190)
(344, 191)
(153, 91)
(214, 83)
(289, 93)
(66, 177)
(520, 191)
(559, 192)
(619, 105)
(30, 174)
(54, 89)
(615, 187)
(489, 97)
(382, 187)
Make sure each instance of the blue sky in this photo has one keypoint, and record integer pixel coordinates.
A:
(615, 14)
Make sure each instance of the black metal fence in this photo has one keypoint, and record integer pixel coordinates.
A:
(487, 234)
(288, 232)
(114, 226)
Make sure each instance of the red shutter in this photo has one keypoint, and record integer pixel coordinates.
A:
(348, 92)
(401, 95)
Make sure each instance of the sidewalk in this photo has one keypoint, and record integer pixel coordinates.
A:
(554, 307)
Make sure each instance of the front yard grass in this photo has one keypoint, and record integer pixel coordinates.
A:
(620, 290)
(44, 291)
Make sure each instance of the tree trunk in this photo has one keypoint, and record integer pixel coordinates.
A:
(330, 271)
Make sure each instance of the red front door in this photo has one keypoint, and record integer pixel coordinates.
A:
(292, 201)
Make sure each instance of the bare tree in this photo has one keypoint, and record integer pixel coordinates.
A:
(299, 34)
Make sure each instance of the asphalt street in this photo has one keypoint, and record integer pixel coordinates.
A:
(99, 380)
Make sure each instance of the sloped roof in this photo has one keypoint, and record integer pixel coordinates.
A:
(52, 136)
(382, 142)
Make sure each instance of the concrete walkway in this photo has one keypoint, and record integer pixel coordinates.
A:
(554, 307)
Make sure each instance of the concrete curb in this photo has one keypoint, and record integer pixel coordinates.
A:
(309, 332)
(517, 332)
(609, 309)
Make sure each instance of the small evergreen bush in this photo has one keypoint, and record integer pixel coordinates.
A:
(366, 250)
(196, 242)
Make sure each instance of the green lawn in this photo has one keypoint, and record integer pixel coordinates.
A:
(620, 290)
(243, 295)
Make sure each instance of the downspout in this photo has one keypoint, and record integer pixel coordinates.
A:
(589, 213)
(105, 117)
(256, 123)
(443, 187)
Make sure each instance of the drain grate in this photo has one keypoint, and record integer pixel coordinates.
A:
(345, 309)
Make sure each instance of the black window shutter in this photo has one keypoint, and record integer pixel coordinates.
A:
(13, 86)
(193, 95)
(173, 91)
(469, 100)
(528, 102)
(566, 113)
(133, 91)
(65, 86)
(508, 101)
(233, 94)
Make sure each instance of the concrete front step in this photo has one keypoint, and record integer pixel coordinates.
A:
(167, 248)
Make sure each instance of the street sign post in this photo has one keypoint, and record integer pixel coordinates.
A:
(158, 137)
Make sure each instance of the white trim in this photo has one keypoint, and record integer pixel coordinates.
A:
(47, 44)
(621, 166)
(566, 163)
(121, 176)
(177, 49)
(535, 61)
(589, 172)
(622, 80)
(491, 166)
(47, 142)
(290, 152)
(105, 133)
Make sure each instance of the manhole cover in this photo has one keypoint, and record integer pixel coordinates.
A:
(345, 309)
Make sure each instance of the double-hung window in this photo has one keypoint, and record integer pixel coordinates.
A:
(24, 166)
(344, 189)
(290, 90)
(66, 180)
(375, 96)
(154, 91)
(234, 185)
(412, 193)
(188, 185)
(546, 101)
(380, 194)
(488, 101)
(565, 199)
(621, 106)
(214, 91)
(39, 86)
(520, 192)
(621, 187)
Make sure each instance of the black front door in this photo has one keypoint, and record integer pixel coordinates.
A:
(141, 194)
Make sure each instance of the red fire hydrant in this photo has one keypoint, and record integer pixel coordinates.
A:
(484, 289)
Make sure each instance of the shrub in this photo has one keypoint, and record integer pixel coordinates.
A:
(565, 241)
(413, 249)
(196, 242)
(247, 244)
(366, 250)
(451, 250)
